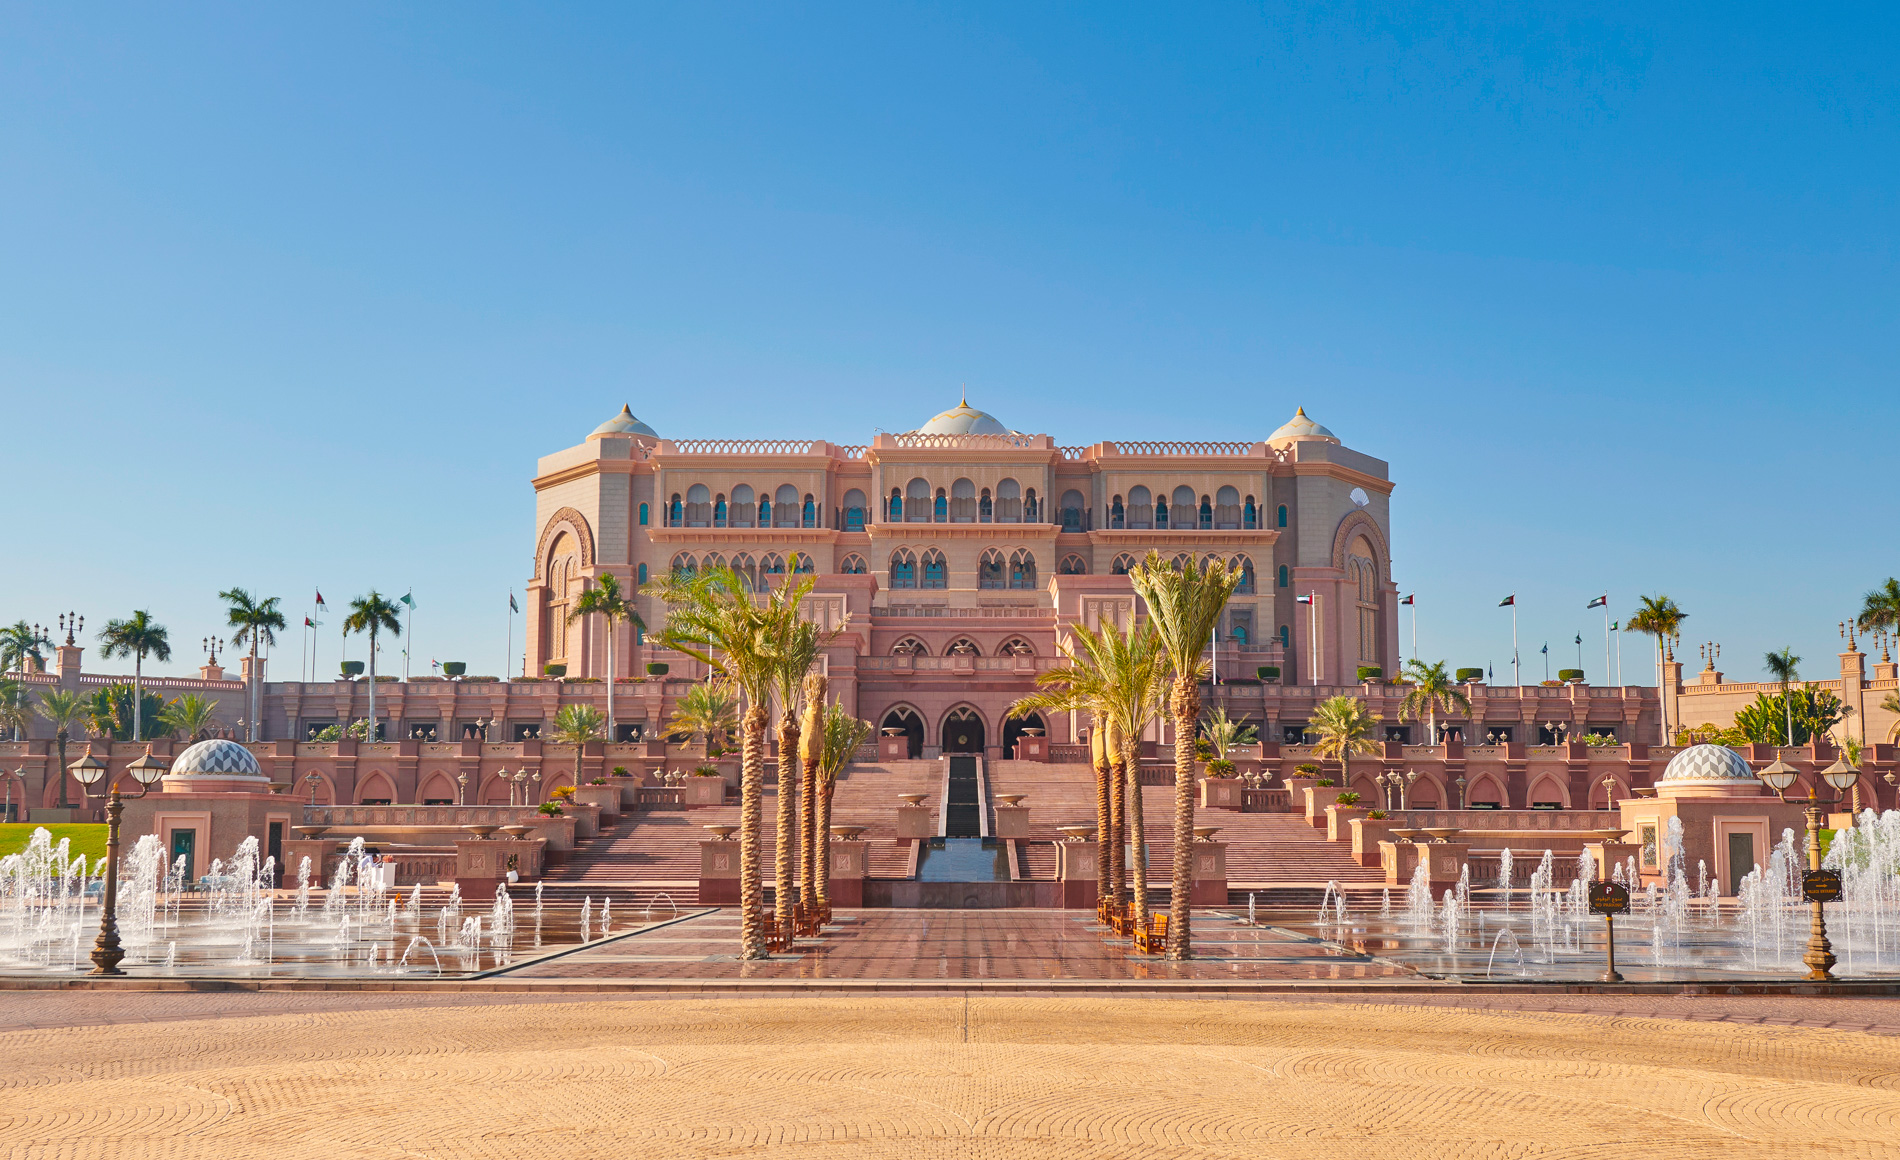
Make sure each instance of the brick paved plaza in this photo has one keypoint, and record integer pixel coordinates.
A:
(340, 1075)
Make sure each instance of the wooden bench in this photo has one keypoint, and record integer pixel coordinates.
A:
(1153, 940)
(775, 939)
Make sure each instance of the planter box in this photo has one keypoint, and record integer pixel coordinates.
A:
(704, 791)
(1221, 793)
(629, 790)
(1012, 822)
(604, 798)
(915, 822)
(1339, 821)
(1210, 874)
(850, 864)
(586, 818)
(718, 872)
(1367, 833)
(1318, 797)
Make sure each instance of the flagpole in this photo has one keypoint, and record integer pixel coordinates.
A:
(1517, 677)
(1606, 641)
(1414, 628)
(508, 650)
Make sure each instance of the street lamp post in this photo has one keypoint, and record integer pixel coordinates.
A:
(461, 789)
(1841, 777)
(106, 951)
(6, 813)
(313, 781)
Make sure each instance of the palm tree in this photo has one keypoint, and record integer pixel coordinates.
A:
(62, 709)
(1184, 605)
(1781, 666)
(15, 713)
(710, 707)
(1226, 734)
(811, 749)
(796, 645)
(134, 637)
(1068, 694)
(1432, 689)
(1659, 617)
(375, 615)
(711, 618)
(20, 642)
(579, 726)
(1121, 676)
(256, 622)
(1880, 610)
(843, 735)
(1344, 727)
(191, 715)
(605, 601)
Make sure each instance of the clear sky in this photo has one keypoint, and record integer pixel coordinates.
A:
(293, 296)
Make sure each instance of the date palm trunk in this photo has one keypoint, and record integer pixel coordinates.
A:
(751, 791)
(822, 884)
(1187, 710)
(813, 864)
(1137, 833)
(1117, 817)
(1104, 820)
(785, 882)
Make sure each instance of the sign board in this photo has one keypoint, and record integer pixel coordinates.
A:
(1821, 885)
(1609, 898)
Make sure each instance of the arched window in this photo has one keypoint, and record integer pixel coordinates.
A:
(743, 564)
(963, 502)
(1123, 563)
(804, 562)
(963, 646)
(643, 515)
(698, 506)
(985, 507)
(1072, 565)
(853, 565)
(1032, 510)
(1141, 507)
(1248, 514)
(765, 510)
(1283, 515)
(772, 565)
(745, 507)
(936, 573)
(1181, 513)
(903, 569)
(1283, 576)
(897, 506)
(1207, 512)
(989, 570)
(1116, 513)
(1009, 502)
(1022, 569)
(940, 511)
(1227, 508)
(854, 510)
(683, 565)
(675, 512)
(1363, 570)
(1163, 517)
(1072, 506)
(713, 560)
(785, 506)
(719, 510)
(1181, 561)
(910, 646)
(1286, 636)
(1016, 646)
(1243, 632)
(917, 501)
(643, 573)
(810, 516)
(1244, 566)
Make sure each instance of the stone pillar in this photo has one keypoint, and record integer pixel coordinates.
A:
(480, 866)
(1076, 868)
(1210, 874)
(718, 872)
(1012, 822)
(849, 865)
(1032, 748)
(915, 822)
(893, 748)
(1221, 793)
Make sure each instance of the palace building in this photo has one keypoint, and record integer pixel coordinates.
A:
(948, 558)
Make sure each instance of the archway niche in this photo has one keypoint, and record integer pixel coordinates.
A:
(1013, 730)
(963, 731)
(905, 718)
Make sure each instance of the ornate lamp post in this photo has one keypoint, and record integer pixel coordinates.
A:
(461, 789)
(313, 781)
(1460, 783)
(6, 812)
(1609, 792)
(1841, 777)
(106, 952)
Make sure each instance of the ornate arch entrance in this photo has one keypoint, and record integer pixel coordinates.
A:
(963, 731)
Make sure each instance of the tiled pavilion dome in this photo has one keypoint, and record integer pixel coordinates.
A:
(1707, 764)
(215, 758)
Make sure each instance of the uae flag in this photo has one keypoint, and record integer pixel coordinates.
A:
(1302, 600)
(309, 623)
(1508, 601)
(1408, 599)
(512, 606)
(1599, 602)
(320, 603)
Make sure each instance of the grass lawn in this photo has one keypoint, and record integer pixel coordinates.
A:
(88, 838)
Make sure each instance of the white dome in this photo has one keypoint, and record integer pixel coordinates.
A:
(1708, 763)
(625, 424)
(216, 758)
(1301, 427)
(964, 419)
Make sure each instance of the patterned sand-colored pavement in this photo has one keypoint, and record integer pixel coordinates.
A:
(919, 1076)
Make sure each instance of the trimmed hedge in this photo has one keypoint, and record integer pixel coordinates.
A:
(1470, 675)
(351, 668)
(1370, 672)
(454, 668)
(1268, 672)
(1570, 674)
(657, 669)
(554, 670)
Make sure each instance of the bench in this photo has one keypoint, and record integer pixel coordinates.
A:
(1153, 940)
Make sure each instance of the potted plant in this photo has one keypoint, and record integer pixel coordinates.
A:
(1570, 674)
(705, 786)
(621, 771)
(453, 669)
(549, 809)
(352, 669)
(1340, 814)
(658, 668)
(1220, 767)
(554, 670)
(1467, 675)
(1370, 673)
(1268, 672)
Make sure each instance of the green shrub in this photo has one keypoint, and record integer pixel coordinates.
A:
(705, 771)
(1307, 769)
(658, 668)
(1370, 672)
(481, 680)
(1470, 675)
(1376, 815)
(549, 809)
(1220, 767)
(598, 781)
(1268, 672)
(621, 771)
(1348, 798)
(352, 668)
(454, 668)
(1325, 783)
(1570, 674)
(553, 670)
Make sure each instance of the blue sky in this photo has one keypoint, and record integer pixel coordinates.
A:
(294, 297)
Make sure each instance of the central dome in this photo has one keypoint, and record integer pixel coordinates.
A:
(964, 419)
(625, 424)
(1709, 764)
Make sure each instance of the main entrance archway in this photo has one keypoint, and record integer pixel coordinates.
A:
(963, 731)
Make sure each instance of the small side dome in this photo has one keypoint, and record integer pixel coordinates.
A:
(215, 758)
(625, 424)
(1707, 763)
(963, 419)
(1301, 427)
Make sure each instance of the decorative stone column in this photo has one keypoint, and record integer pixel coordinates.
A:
(718, 872)
(848, 866)
(1012, 821)
(1076, 868)
(1221, 793)
(1210, 874)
